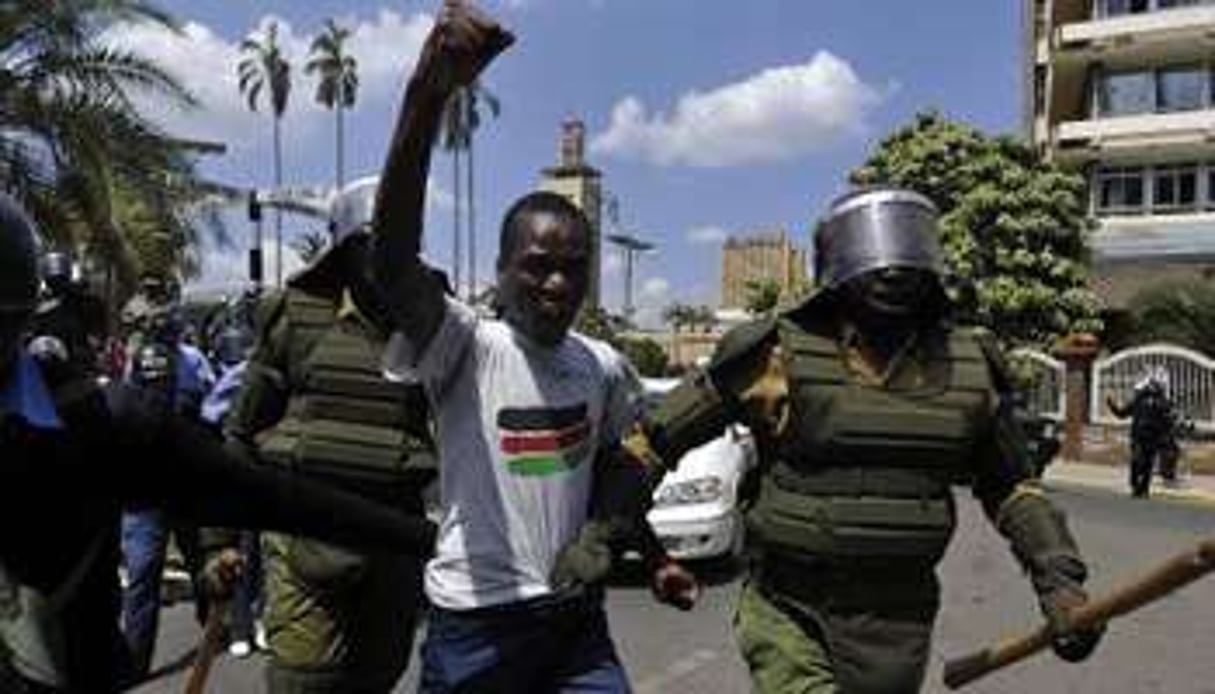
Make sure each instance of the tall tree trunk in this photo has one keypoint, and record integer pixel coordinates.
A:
(456, 258)
(278, 212)
(339, 164)
(472, 224)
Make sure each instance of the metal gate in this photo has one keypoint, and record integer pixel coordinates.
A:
(1044, 379)
(1190, 378)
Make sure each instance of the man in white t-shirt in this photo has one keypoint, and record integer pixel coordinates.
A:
(525, 411)
(524, 408)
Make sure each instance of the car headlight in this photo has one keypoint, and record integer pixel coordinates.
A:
(696, 491)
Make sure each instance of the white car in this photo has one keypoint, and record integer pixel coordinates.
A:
(695, 513)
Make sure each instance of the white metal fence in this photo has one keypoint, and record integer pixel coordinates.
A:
(1190, 378)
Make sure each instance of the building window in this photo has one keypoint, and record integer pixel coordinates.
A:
(1170, 4)
(1181, 88)
(1126, 93)
(1119, 190)
(1175, 188)
(1210, 201)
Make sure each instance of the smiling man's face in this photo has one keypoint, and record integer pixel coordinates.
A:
(543, 279)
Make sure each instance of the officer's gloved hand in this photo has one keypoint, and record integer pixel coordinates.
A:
(1057, 602)
(220, 573)
(586, 560)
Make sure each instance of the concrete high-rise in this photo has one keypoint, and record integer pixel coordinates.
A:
(1124, 91)
(764, 255)
(582, 184)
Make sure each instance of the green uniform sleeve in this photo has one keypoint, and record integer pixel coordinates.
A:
(1004, 482)
(260, 403)
(263, 395)
(700, 407)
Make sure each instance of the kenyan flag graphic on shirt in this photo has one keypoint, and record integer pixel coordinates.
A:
(543, 441)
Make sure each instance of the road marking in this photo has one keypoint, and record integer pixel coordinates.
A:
(678, 669)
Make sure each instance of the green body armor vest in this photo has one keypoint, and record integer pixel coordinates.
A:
(345, 423)
(864, 472)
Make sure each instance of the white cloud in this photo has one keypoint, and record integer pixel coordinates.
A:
(707, 235)
(205, 62)
(777, 114)
(655, 287)
(226, 270)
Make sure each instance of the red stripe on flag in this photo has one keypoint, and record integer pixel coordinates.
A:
(544, 441)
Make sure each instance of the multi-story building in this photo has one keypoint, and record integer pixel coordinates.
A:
(757, 257)
(1124, 90)
(582, 185)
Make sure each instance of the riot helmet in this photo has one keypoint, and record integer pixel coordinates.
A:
(18, 277)
(352, 208)
(58, 271)
(152, 366)
(875, 229)
(877, 249)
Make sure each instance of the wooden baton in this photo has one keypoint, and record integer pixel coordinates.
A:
(208, 648)
(1178, 571)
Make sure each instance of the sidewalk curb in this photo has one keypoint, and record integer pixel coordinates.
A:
(1071, 473)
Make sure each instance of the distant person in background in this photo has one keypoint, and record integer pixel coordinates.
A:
(1153, 421)
(231, 349)
(178, 377)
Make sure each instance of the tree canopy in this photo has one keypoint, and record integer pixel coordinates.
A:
(1014, 229)
(1178, 311)
(75, 148)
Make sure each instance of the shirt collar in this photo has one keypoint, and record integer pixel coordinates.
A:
(28, 397)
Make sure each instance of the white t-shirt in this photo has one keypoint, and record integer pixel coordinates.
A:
(518, 427)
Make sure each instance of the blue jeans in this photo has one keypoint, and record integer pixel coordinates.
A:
(144, 537)
(538, 646)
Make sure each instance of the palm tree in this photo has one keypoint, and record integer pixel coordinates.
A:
(677, 315)
(311, 245)
(338, 84)
(74, 148)
(265, 70)
(461, 119)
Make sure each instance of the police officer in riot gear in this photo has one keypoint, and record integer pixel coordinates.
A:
(315, 400)
(69, 320)
(72, 461)
(1153, 431)
(866, 405)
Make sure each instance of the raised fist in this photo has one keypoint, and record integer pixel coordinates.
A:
(462, 43)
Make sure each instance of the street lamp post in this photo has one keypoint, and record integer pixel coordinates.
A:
(631, 245)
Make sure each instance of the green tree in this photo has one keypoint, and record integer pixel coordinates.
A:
(702, 317)
(600, 324)
(1014, 229)
(1180, 311)
(75, 149)
(646, 355)
(310, 245)
(462, 116)
(678, 316)
(264, 70)
(762, 296)
(337, 85)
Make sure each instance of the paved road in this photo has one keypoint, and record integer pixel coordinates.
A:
(1165, 648)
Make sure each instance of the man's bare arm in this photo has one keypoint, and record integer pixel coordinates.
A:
(461, 44)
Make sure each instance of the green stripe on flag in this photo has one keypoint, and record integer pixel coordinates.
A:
(537, 466)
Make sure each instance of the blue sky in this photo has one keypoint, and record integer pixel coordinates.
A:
(706, 117)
